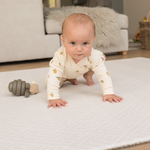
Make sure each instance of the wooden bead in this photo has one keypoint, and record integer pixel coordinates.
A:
(27, 93)
(14, 87)
(18, 89)
(10, 87)
(23, 86)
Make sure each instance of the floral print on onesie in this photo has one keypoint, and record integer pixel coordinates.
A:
(63, 67)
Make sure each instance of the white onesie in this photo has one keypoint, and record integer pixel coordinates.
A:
(63, 67)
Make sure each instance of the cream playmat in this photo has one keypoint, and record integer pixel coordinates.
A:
(86, 123)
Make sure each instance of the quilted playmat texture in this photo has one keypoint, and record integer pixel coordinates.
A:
(87, 123)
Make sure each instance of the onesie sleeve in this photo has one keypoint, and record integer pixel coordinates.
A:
(97, 61)
(54, 75)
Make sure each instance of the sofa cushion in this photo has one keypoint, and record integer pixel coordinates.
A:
(21, 17)
(16, 48)
(54, 27)
(123, 21)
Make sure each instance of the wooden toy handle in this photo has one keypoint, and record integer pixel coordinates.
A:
(34, 88)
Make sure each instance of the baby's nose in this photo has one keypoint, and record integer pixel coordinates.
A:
(79, 48)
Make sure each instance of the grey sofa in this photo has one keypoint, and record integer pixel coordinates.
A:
(22, 32)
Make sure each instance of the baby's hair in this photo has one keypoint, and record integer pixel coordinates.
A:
(79, 19)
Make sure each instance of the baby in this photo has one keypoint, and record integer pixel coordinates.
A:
(77, 57)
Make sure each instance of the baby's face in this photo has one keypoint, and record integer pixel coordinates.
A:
(78, 40)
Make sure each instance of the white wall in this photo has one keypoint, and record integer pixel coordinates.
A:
(135, 10)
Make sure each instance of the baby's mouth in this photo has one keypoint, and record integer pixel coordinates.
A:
(79, 54)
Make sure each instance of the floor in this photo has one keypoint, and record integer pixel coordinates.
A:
(44, 63)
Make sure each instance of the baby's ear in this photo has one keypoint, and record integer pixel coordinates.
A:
(62, 38)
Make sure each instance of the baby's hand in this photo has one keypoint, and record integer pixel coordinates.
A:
(112, 98)
(57, 102)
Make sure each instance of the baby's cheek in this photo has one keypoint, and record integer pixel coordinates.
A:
(88, 52)
(71, 53)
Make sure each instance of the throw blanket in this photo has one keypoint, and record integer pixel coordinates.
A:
(105, 19)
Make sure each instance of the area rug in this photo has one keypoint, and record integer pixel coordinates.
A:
(87, 123)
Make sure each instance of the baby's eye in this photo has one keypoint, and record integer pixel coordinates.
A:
(73, 43)
(85, 43)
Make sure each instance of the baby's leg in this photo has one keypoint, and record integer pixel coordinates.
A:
(88, 78)
(73, 81)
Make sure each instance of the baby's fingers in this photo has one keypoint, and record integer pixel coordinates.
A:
(61, 103)
(54, 105)
(50, 104)
(116, 100)
(109, 99)
(64, 102)
(120, 98)
(104, 99)
(58, 104)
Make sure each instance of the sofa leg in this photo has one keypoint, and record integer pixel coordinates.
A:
(122, 53)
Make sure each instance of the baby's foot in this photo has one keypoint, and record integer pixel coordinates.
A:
(73, 81)
(88, 78)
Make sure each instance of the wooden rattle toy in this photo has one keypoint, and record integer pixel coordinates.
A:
(19, 88)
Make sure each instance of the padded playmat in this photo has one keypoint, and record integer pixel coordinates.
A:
(87, 123)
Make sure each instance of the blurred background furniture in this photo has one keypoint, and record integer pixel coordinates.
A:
(145, 34)
(23, 37)
(22, 32)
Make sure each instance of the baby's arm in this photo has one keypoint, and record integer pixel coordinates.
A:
(57, 102)
(54, 79)
(104, 78)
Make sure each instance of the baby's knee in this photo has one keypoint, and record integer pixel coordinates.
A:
(89, 73)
